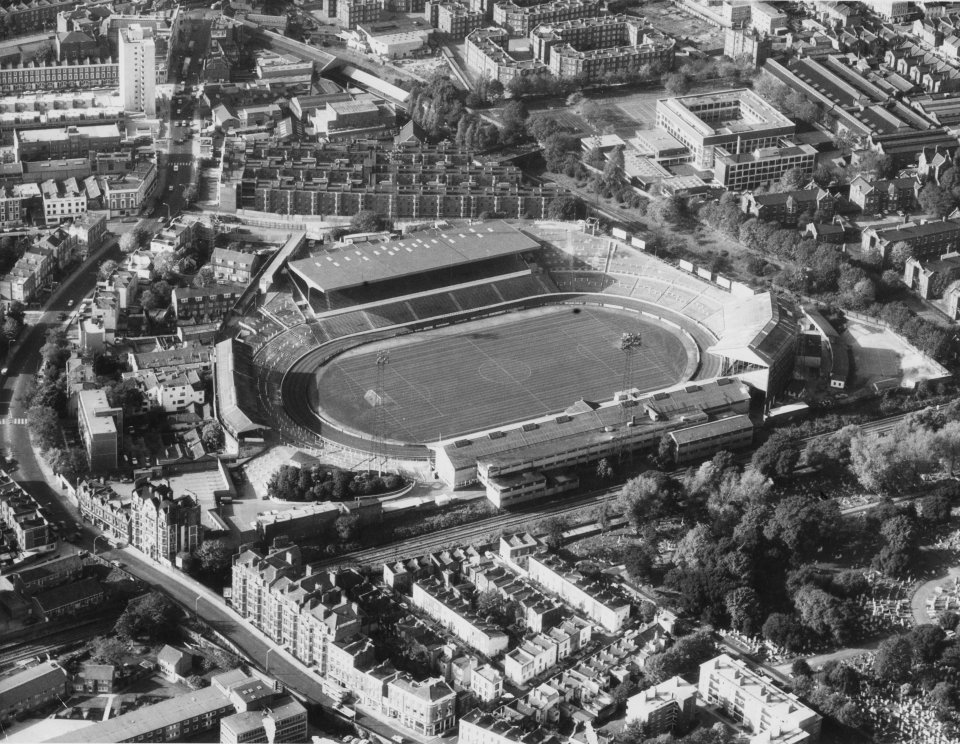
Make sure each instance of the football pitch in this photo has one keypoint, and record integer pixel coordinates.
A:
(483, 374)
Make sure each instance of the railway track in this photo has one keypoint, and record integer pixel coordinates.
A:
(479, 530)
(15, 651)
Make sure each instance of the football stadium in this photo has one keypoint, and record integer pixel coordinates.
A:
(503, 354)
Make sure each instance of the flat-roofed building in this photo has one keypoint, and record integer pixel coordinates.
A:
(125, 194)
(352, 13)
(664, 707)
(705, 440)
(59, 76)
(767, 18)
(65, 142)
(755, 702)
(99, 429)
(738, 119)
(284, 720)
(739, 171)
(454, 18)
(488, 55)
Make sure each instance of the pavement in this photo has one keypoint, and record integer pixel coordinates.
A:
(918, 603)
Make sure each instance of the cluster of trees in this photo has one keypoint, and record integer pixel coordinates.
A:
(437, 107)
(134, 239)
(942, 198)
(152, 617)
(321, 483)
(634, 733)
(923, 442)
(213, 559)
(744, 563)
(487, 92)
(364, 221)
(475, 133)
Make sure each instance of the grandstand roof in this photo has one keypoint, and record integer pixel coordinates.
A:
(235, 379)
(756, 330)
(582, 425)
(357, 265)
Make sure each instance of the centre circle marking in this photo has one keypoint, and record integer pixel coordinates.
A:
(505, 371)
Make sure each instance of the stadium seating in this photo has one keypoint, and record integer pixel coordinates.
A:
(395, 313)
(471, 298)
(520, 287)
(433, 305)
(345, 324)
(282, 308)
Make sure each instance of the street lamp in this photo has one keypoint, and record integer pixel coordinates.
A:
(167, 207)
(196, 605)
(98, 537)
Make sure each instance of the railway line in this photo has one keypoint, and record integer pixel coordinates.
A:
(15, 651)
(482, 528)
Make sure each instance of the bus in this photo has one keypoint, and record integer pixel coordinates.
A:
(186, 67)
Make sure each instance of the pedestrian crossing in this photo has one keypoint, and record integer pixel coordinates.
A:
(13, 421)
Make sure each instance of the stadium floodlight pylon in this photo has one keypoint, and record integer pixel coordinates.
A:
(380, 447)
(629, 343)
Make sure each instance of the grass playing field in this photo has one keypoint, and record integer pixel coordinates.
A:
(487, 373)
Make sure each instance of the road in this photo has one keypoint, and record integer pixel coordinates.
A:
(22, 367)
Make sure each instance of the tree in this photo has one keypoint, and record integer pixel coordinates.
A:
(44, 426)
(783, 630)
(191, 194)
(640, 561)
(215, 557)
(366, 220)
(926, 642)
(743, 606)
(936, 200)
(565, 207)
(793, 179)
(943, 697)
(106, 269)
(683, 658)
(899, 254)
(665, 209)
(11, 327)
(648, 497)
(149, 300)
(604, 471)
(125, 394)
(553, 529)
(514, 119)
(212, 436)
(152, 616)
(613, 174)
(205, 277)
(676, 83)
(347, 526)
(108, 650)
(129, 242)
(893, 659)
(777, 457)
(70, 462)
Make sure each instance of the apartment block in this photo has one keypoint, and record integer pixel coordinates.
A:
(601, 605)
(352, 13)
(107, 510)
(589, 48)
(488, 56)
(662, 708)
(453, 17)
(451, 607)
(205, 304)
(415, 181)
(293, 604)
(164, 524)
(756, 703)
(521, 18)
(137, 74)
(100, 426)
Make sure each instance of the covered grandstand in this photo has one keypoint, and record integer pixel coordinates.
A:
(757, 340)
(354, 275)
(236, 379)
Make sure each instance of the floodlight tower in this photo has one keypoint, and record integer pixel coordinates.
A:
(383, 359)
(629, 343)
